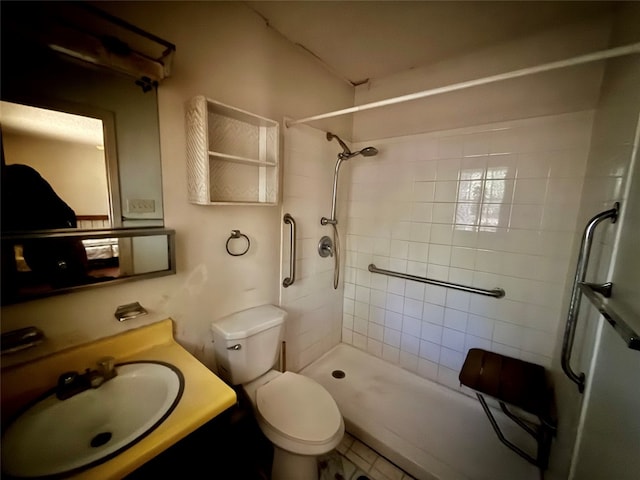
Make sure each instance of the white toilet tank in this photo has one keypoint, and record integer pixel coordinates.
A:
(247, 343)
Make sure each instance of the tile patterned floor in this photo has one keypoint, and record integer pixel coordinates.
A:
(353, 460)
(234, 443)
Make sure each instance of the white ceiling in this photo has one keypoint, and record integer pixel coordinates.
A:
(372, 39)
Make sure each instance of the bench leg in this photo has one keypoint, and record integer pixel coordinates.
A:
(542, 434)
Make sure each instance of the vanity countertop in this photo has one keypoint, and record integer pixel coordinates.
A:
(204, 397)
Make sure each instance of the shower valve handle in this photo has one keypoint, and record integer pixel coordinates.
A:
(325, 247)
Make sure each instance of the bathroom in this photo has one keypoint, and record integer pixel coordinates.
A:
(228, 52)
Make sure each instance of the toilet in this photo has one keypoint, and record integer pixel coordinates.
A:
(296, 414)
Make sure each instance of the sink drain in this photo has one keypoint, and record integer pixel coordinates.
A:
(100, 439)
(338, 374)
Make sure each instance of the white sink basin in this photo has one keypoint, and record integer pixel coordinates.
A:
(59, 436)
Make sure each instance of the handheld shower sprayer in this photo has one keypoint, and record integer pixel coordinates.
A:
(346, 154)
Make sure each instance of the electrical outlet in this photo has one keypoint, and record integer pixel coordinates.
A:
(141, 205)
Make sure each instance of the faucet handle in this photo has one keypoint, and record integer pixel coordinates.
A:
(67, 378)
(70, 384)
(106, 367)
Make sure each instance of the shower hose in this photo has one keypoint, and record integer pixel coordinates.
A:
(336, 256)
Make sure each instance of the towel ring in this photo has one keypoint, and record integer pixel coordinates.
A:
(238, 234)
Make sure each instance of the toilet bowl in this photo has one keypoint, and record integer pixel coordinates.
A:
(295, 413)
(300, 419)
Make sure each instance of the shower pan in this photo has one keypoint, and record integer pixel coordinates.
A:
(346, 154)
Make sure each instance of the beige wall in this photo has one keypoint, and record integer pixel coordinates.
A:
(227, 53)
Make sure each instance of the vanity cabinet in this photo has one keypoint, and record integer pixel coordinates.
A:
(232, 155)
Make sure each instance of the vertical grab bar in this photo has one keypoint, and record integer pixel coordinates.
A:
(574, 303)
(287, 282)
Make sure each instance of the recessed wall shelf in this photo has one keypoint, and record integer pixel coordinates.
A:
(232, 155)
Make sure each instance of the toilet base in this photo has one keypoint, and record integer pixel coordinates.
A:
(291, 466)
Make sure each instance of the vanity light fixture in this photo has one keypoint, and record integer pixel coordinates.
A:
(89, 34)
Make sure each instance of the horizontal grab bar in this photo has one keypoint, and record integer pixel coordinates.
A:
(496, 292)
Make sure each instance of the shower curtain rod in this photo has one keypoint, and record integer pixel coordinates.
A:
(569, 62)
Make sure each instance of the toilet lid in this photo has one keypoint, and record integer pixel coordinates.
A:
(299, 408)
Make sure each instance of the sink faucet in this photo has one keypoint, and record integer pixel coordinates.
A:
(72, 383)
(106, 368)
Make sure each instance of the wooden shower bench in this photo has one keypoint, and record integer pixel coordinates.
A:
(517, 383)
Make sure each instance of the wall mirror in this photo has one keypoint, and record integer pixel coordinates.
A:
(80, 140)
(36, 265)
(74, 153)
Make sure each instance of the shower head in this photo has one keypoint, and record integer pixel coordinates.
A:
(368, 152)
(346, 153)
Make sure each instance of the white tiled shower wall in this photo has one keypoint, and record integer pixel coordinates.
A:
(488, 206)
(314, 308)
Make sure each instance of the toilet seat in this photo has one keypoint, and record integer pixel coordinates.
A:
(298, 414)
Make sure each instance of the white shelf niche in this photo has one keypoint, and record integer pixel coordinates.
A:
(232, 155)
